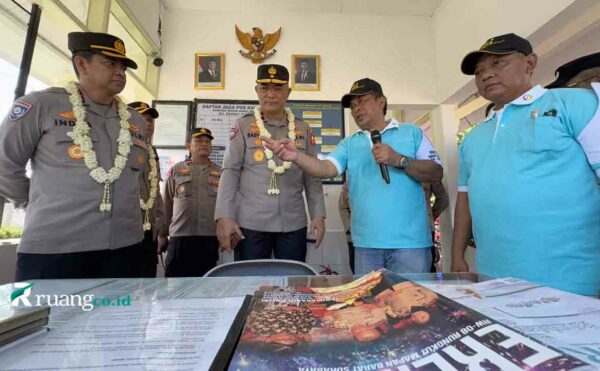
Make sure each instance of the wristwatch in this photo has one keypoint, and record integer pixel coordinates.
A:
(403, 163)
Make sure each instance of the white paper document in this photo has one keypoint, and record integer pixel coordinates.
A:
(229, 286)
(164, 335)
(566, 321)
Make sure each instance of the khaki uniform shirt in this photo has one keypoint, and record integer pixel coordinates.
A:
(246, 177)
(61, 200)
(157, 213)
(190, 196)
(344, 206)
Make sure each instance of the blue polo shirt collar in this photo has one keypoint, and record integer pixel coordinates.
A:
(527, 98)
(392, 124)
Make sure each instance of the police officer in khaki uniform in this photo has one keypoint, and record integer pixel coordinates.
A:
(271, 217)
(190, 196)
(153, 211)
(77, 224)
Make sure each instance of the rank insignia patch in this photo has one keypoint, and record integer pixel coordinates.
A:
(67, 115)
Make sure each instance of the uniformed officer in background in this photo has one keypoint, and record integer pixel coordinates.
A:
(190, 195)
(81, 221)
(271, 217)
(578, 73)
(153, 211)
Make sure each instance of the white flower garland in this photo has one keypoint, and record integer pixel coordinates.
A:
(81, 137)
(153, 178)
(273, 186)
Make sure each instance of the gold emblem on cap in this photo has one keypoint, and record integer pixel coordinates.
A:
(489, 43)
(120, 46)
(355, 86)
(144, 105)
(272, 71)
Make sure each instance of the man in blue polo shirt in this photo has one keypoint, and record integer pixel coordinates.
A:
(389, 222)
(527, 181)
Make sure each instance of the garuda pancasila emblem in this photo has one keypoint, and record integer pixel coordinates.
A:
(258, 46)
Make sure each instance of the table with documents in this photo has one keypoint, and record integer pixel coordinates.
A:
(193, 323)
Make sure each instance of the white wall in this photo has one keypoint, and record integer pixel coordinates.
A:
(147, 14)
(394, 50)
(460, 26)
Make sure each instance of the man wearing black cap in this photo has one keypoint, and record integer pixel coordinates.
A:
(153, 211)
(390, 223)
(527, 180)
(270, 216)
(190, 196)
(578, 73)
(87, 151)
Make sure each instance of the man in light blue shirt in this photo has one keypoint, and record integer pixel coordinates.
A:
(389, 222)
(528, 172)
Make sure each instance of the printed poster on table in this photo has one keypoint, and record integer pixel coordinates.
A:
(381, 322)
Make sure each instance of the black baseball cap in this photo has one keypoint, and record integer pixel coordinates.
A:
(361, 87)
(100, 43)
(142, 108)
(272, 74)
(202, 132)
(569, 70)
(499, 45)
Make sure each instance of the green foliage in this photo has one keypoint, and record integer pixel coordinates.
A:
(10, 232)
(461, 135)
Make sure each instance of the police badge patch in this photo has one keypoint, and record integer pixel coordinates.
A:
(19, 110)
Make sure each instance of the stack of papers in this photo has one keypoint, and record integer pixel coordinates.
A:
(16, 323)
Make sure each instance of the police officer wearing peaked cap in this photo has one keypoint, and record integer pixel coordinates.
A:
(190, 195)
(66, 234)
(271, 217)
(153, 211)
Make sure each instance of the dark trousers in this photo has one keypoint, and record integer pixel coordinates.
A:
(149, 260)
(119, 263)
(435, 256)
(282, 245)
(351, 255)
(191, 256)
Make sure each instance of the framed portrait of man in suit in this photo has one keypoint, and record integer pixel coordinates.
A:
(209, 72)
(306, 72)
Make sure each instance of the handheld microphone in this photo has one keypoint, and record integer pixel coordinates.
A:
(376, 138)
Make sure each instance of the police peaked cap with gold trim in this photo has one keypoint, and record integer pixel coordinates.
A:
(202, 132)
(499, 45)
(272, 73)
(142, 108)
(569, 70)
(101, 43)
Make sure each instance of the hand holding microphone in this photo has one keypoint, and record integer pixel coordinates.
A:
(381, 154)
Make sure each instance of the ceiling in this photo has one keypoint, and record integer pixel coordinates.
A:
(419, 8)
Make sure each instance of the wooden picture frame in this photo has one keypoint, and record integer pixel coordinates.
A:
(306, 72)
(209, 71)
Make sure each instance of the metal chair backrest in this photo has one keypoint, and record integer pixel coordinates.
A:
(262, 267)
